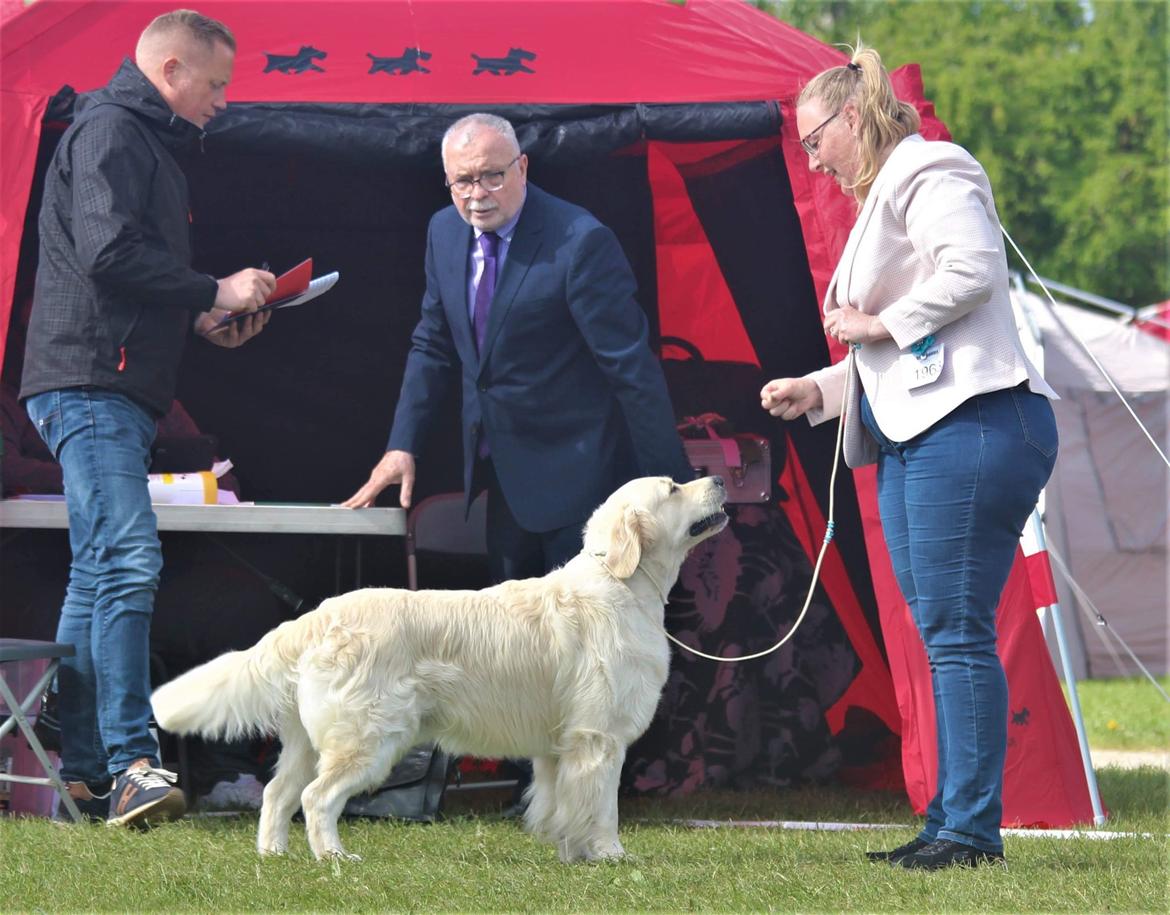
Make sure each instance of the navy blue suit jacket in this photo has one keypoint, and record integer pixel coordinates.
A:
(570, 395)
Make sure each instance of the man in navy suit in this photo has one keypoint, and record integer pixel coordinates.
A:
(531, 301)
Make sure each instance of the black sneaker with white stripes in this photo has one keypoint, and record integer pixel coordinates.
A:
(145, 796)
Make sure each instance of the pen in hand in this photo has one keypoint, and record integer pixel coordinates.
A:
(232, 317)
(267, 269)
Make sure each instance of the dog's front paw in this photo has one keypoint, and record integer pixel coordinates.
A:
(571, 854)
(608, 851)
(338, 854)
(603, 850)
(270, 850)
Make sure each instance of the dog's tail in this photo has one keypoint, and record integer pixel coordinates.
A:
(240, 693)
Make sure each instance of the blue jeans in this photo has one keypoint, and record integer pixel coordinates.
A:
(953, 501)
(102, 441)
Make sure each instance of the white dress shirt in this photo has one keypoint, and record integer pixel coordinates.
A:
(475, 268)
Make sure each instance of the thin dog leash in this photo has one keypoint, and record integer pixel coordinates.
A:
(837, 458)
(829, 531)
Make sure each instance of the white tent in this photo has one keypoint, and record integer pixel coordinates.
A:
(1106, 505)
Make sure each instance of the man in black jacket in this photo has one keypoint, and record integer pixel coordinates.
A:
(115, 298)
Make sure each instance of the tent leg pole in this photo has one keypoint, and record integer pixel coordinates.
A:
(1070, 680)
(1078, 718)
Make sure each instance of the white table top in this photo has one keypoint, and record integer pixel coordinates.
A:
(242, 519)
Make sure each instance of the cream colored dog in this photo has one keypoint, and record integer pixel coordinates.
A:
(565, 669)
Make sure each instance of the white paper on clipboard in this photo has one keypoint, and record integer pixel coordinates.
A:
(316, 287)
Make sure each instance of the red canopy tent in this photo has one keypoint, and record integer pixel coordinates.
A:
(671, 119)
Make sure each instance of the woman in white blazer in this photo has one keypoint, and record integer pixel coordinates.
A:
(941, 396)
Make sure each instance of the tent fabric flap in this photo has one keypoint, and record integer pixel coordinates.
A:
(20, 135)
(451, 51)
(872, 687)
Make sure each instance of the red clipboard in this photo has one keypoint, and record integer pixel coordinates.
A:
(289, 285)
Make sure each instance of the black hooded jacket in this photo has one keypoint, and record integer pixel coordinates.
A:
(115, 293)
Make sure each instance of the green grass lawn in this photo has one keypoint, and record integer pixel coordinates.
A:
(486, 864)
(478, 862)
(1125, 714)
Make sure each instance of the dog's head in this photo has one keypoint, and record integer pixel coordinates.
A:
(654, 518)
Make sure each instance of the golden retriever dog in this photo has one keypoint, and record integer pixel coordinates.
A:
(565, 670)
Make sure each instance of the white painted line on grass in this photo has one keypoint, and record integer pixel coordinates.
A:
(855, 827)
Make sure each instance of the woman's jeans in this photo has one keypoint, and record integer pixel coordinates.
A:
(102, 441)
(954, 500)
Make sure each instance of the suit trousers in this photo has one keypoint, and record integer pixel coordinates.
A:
(513, 552)
(953, 502)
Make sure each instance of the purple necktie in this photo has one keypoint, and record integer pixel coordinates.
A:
(489, 243)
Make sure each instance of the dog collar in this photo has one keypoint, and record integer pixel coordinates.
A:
(662, 592)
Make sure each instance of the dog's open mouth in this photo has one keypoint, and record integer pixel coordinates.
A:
(705, 524)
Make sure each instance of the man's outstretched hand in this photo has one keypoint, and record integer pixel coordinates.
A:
(395, 467)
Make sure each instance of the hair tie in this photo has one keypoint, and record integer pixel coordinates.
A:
(852, 66)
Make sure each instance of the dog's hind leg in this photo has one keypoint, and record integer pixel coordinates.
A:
(341, 772)
(541, 799)
(586, 821)
(282, 795)
(353, 758)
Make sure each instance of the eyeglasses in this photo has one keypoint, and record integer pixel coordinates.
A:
(489, 181)
(807, 143)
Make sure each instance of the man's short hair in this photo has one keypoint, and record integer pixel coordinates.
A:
(205, 30)
(466, 128)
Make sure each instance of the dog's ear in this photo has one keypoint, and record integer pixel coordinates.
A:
(626, 539)
(619, 532)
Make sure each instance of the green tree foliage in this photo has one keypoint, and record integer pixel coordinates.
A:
(1064, 103)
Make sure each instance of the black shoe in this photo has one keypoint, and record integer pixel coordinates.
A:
(47, 727)
(91, 803)
(893, 857)
(521, 770)
(945, 853)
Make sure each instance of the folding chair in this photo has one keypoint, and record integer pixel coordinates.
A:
(13, 651)
(437, 525)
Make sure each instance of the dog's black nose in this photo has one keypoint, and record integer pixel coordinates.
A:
(719, 482)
